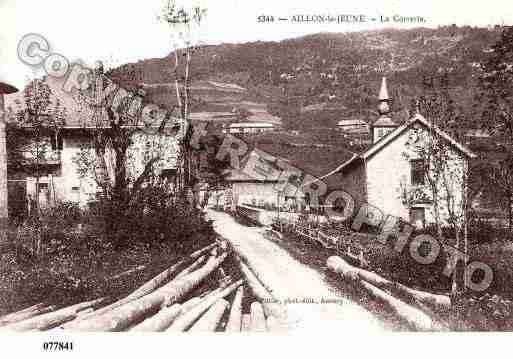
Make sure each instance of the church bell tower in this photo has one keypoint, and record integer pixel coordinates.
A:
(384, 124)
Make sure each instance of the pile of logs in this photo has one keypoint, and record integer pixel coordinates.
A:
(170, 301)
(418, 310)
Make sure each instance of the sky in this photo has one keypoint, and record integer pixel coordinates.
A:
(121, 31)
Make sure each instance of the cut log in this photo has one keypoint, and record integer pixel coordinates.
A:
(25, 314)
(245, 261)
(160, 321)
(52, 319)
(340, 266)
(157, 281)
(235, 318)
(166, 275)
(205, 293)
(84, 312)
(203, 251)
(29, 309)
(210, 320)
(417, 319)
(191, 268)
(263, 295)
(43, 322)
(146, 288)
(212, 264)
(90, 304)
(191, 303)
(257, 323)
(245, 323)
(122, 317)
(187, 319)
(435, 302)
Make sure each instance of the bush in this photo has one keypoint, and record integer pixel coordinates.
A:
(153, 216)
(50, 231)
(482, 231)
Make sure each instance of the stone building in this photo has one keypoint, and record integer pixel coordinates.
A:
(55, 176)
(392, 175)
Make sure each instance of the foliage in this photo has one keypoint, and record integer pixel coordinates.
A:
(17, 141)
(352, 64)
(48, 232)
(494, 103)
(39, 121)
(155, 215)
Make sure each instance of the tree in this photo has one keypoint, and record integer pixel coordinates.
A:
(445, 171)
(494, 104)
(183, 22)
(120, 154)
(40, 122)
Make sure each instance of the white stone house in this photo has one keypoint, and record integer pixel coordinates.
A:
(249, 128)
(259, 182)
(353, 126)
(392, 176)
(59, 179)
(56, 178)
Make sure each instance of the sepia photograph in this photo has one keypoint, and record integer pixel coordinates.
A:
(273, 169)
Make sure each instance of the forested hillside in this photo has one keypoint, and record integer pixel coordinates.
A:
(340, 70)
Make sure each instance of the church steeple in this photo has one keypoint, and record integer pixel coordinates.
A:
(384, 99)
(384, 124)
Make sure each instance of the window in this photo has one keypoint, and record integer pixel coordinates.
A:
(56, 142)
(418, 217)
(417, 172)
(43, 186)
(75, 192)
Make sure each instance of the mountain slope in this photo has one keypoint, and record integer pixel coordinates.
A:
(342, 69)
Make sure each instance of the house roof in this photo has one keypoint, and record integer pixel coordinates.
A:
(7, 89)
(210, 116)
(384, 121)
(323, 106)
(418, 118)
(250, 125)
(352, 122)
(79, 112)
(310, 159)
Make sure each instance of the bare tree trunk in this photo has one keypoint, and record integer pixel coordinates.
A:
(37, 176)
(3, 174)
(457, 275)
(510, 213)
(437, 217)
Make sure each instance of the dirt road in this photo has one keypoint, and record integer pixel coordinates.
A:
(314, 304)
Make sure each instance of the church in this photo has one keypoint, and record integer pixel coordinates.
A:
(395, 174)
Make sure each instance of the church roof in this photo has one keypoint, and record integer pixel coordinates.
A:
(418, 118)
(383, 92)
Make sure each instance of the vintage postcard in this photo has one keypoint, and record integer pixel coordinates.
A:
(257, 167)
